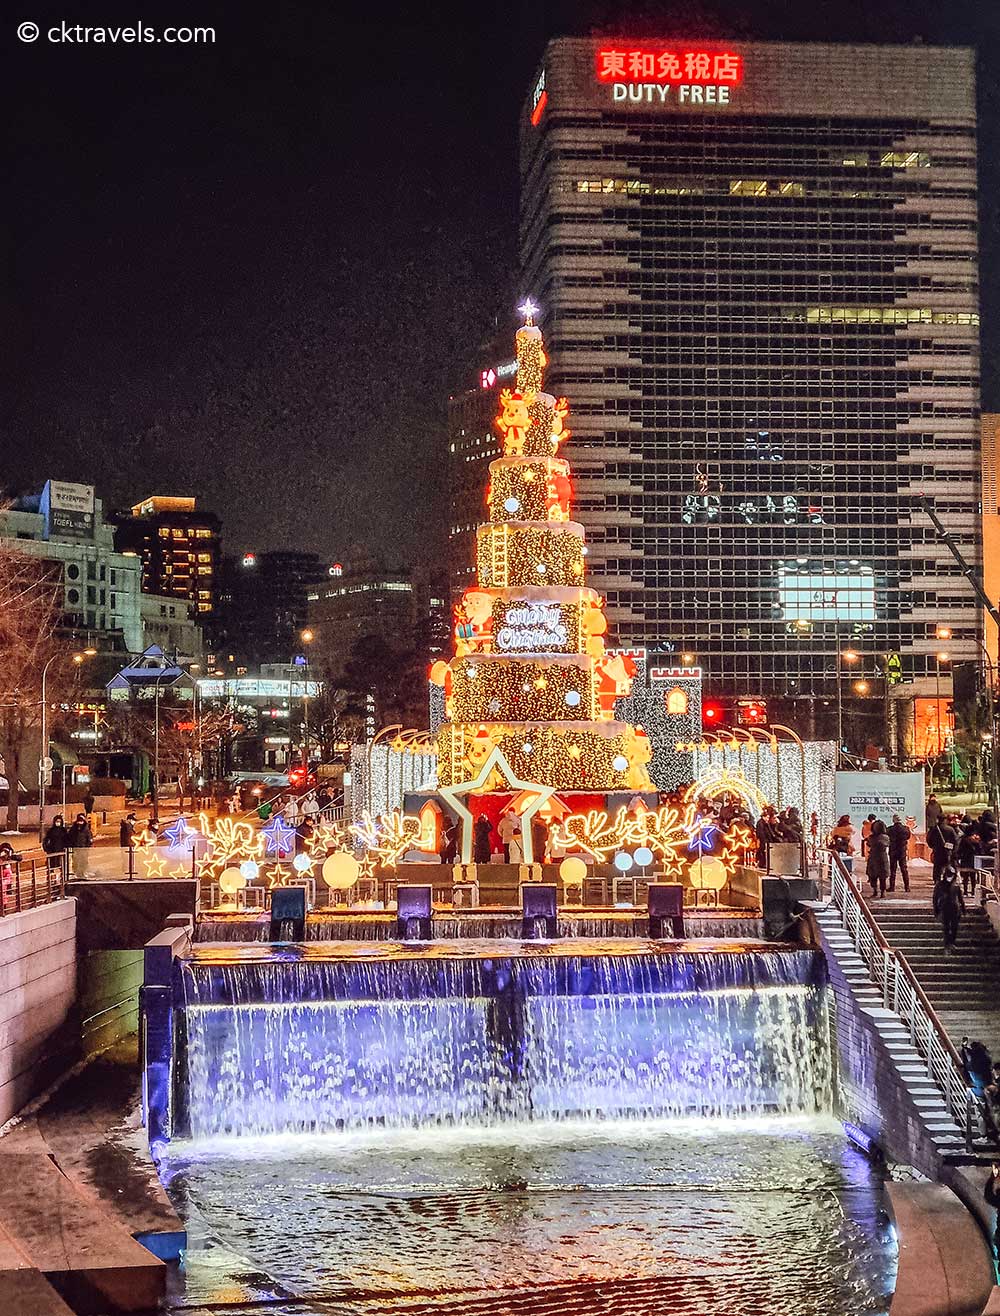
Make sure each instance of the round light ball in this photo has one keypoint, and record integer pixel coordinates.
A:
(231, 880)
(438, 672)
(512, 505)
(340, 870)
(572, 698)
(527, 747)
(643, 856)
(249, 869)
(623, 861)
(572, 870)
(541, 568)
(302, 863)
(619, 763)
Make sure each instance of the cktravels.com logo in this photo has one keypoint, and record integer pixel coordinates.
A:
(76, 34)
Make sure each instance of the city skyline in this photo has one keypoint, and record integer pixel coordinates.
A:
(197, 307)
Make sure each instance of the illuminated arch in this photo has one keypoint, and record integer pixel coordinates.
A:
(722, 781)
(677, 700)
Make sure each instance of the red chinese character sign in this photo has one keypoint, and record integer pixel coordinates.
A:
(658, 76)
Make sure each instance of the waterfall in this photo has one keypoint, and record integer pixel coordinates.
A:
(446, 927)
(294, 1043)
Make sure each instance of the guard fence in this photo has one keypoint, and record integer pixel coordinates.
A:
(902, 994)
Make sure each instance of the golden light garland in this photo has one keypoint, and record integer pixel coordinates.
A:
(528, 555)
(523, 490)
(569, 757)
(525, 690)
(531, 359)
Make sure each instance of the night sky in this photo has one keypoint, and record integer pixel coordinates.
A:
(255, 270)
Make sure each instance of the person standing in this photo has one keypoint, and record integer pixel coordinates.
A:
(508, 829)
(310, 808)
(866, 831)
(449, 841)
(482, 847)
(841, 837)
(539, 839)
(991, 1193)
(941, 838)
(933, 813)
(54, 842)
(899, 841)
(126, 832)
(80, 838)
(949, 905)
(88, 804)
(877, 862)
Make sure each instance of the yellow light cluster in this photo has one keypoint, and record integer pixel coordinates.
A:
(494, 688)
(536, 486)
(570, 618)
(576, 759)
(538, 441)
(511, 556)
(531, 360)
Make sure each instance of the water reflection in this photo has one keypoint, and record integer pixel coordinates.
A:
(766, 1216)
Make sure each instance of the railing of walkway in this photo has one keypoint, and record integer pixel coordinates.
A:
(903, 995)
(30, 880)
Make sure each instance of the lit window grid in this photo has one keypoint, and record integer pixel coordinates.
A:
(684, 327)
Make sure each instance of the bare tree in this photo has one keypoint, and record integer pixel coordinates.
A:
(28, 643)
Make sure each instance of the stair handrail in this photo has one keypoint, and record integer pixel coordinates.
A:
(890, 970)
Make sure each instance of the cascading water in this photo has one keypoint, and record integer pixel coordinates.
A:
(480, 1036)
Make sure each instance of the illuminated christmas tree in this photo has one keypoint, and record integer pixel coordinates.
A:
(531, 675)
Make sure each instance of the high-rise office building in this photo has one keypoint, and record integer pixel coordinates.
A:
(757, 272)
(179, 549)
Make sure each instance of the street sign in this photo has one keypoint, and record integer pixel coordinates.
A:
(46, 763)
(44, 775)
(893, 668)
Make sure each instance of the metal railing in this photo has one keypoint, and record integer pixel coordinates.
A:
(30, 880)
(903, 995)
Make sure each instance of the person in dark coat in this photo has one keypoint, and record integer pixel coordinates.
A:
(80, 836)
(877, 861)
(126, 831)
(949, 905)
(977, 1066)
(991, 1193)
(449, 841)
(482, 846)
(966, 848)
(539, 839)
(987, 828)
(899, 840)
(942, 839)
(88, 803)
(55, 841)
(933, 813)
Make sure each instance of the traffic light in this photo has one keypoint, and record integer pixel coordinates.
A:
(751, 713)
(711, 714)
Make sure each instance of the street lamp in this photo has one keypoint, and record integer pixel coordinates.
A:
(941, 658)
(843, 656)
(688, 659)
(43, 766)
(306, 637)
(861, 687)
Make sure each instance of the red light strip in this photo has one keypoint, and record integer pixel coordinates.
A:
(539, 109)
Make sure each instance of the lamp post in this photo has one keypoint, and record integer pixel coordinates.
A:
(78, 658)
(941, 658)
(306, 637)
(843, 656)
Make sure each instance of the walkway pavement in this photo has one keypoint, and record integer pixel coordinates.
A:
(963, 985)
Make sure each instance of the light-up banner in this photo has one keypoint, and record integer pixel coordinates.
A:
(679, 76)
(808, 597)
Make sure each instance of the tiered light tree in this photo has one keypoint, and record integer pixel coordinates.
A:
(531, 677)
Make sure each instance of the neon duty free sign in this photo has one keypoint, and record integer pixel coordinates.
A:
(660, 77)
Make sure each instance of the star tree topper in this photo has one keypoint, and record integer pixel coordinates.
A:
(496, 760)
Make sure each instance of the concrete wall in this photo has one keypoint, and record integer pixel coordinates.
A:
(108, 984)
(38, 1036)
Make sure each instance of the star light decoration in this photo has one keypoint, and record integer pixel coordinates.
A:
(177, 835)
(496, 762)
(279, 836)
(529, 310)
